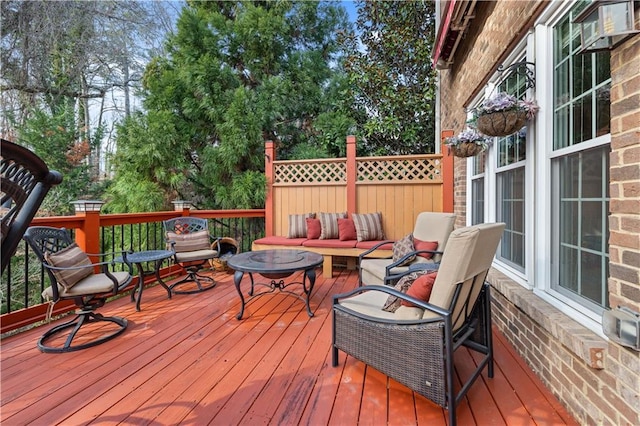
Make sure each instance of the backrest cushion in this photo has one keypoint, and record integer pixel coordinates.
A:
(434, 226)
(421, 288)
(346, 230)
(403, 247)
(329, 225)
(467, 258)
(313, 228)
(298, 225)
(190, 242)
(68, 257)
(368, 226)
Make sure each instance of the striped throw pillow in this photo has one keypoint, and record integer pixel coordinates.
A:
(189, 242)
(368, 226)
(298, 225)
(329, 225)
(71, 256)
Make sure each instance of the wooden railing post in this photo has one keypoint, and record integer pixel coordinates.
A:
(352, 174)
(447, 173)
(88, 235)
(269, 158)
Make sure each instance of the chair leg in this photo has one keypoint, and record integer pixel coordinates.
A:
(81, 319)
(202, 282)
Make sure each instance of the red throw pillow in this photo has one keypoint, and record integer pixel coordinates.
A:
(421, 288)
(313, 229)
(346, 230)
(425, 245)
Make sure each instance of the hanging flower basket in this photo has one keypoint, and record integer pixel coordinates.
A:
(466, 149)
(503, 115)
(501, 123)
(467, 143)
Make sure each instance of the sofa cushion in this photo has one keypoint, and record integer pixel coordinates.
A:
(329, 225)
(421, 288)
(346, 230)
(369, 244)
(368, 226)
(425, 245)
(280, 241)
(71, 256)
(189, 242)
(403, 247)
(298, 225)
(313, 228)
(333, 243)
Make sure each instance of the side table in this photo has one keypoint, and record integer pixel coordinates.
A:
(142, 257)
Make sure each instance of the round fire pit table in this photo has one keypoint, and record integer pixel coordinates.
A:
(276, 265)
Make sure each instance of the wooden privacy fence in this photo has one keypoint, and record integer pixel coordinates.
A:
(398, 186)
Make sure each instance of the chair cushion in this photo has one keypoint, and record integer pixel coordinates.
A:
(71, 256)
(403, 247)
(425, 245)
(92, 284)
(313, 228)
(280, 241)
(368, 226)
(189, 242)
(329, 225)
(335, 243)
(346, 230)
(188, 256)
(421, 288)
(369, 244)
(298, 225)
(368, 303)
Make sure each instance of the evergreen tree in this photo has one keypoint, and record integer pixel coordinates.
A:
(237, 73)
(389, 65)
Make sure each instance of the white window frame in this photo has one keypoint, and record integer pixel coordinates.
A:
(538, 213)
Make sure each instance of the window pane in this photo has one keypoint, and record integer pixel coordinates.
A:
(510, 210)
(603, 110)
(477, 195)
(582, 74)
(580, 242)
(582, 120)
(561, 130)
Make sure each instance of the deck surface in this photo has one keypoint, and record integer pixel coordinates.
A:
(188, 360)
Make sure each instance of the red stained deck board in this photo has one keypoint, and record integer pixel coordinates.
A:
(187, 360)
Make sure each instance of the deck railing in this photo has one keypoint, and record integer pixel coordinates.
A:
(24, 279)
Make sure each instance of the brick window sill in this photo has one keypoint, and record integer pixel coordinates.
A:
(581, 341)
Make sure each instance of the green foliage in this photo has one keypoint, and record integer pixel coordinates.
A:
(56, 139)
(238, 73)
(392, 78)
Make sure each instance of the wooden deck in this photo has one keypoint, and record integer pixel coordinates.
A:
(188, 360)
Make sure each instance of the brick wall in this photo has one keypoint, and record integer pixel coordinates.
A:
(597, 380)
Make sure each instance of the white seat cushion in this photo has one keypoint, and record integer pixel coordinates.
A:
(93, 284)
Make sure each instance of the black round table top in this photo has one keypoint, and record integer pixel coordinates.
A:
(274, 261)
(146, 256)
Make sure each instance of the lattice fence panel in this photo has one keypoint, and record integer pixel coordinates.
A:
(310, 173)
(401, 170)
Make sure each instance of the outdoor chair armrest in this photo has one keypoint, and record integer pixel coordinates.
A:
(374, 248)
(407, 256)
(443, 313)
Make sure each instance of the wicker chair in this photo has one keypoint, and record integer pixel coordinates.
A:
(25, 182)
(72, 277)
(415, 344)
(429, 226)
(193, 247)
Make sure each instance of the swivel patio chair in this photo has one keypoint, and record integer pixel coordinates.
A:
(72, 276)
(193, 247)
(415, 344)
(431, 229)
(25, 182)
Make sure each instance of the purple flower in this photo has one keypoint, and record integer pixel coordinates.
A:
(467, 135)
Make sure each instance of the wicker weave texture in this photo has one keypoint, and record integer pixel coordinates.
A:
(410, 354)
(501, 123)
